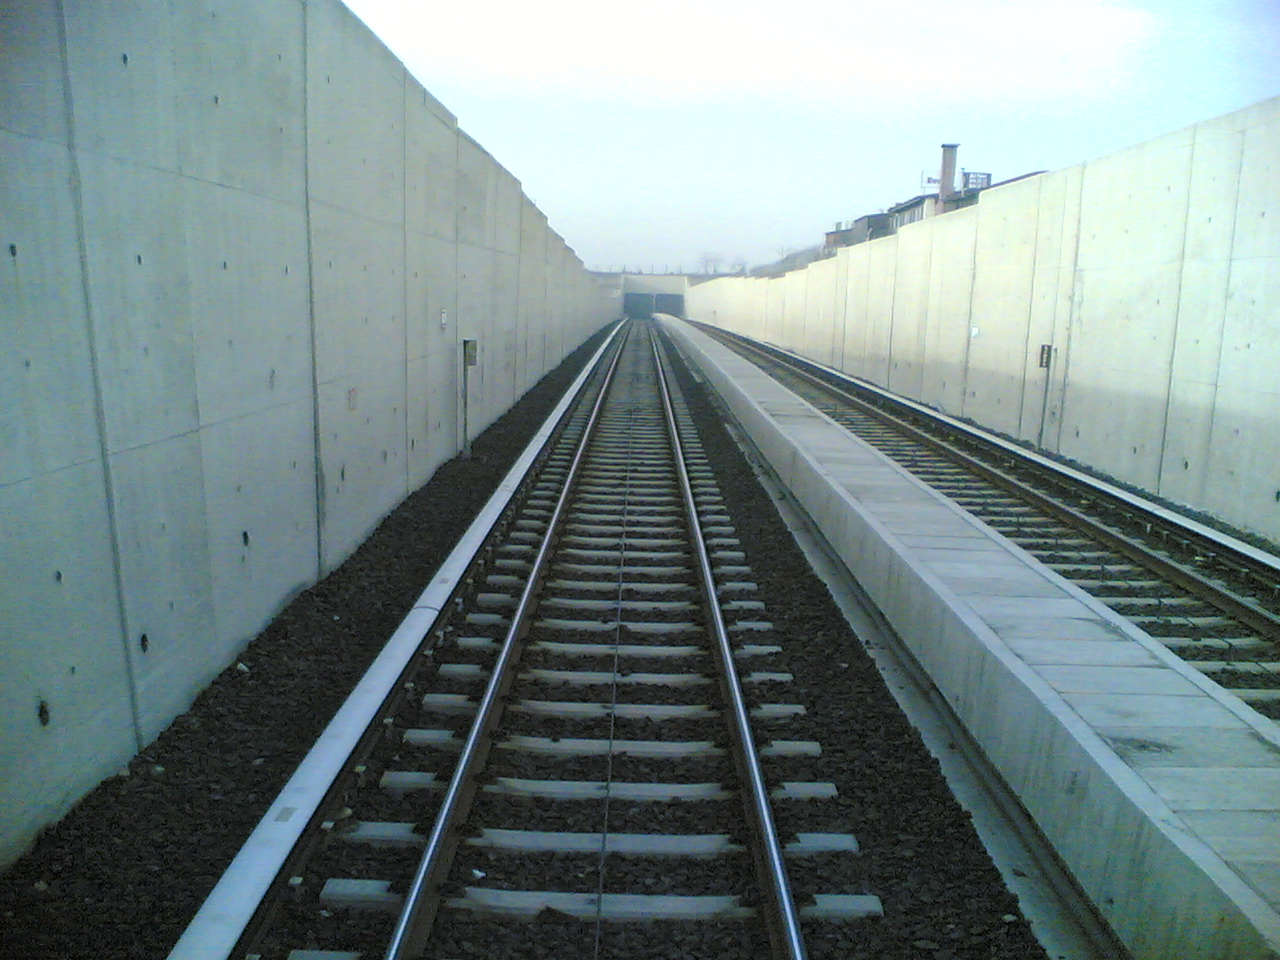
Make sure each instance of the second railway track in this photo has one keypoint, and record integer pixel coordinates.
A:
(1214, 604)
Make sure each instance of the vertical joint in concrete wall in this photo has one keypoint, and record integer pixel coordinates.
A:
(457, 320)
(126, 650)
(1172, 359)
(1222, 340)
(968, 340)
(407, 81)
(1028, 323)
(1073, 313)
(318, 465)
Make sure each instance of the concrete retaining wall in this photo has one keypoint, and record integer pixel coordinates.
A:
(241, 246)
(1153, 273)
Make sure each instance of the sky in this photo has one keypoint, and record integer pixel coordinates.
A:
(674, 133)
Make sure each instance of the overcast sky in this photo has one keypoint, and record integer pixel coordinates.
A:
(654, 134)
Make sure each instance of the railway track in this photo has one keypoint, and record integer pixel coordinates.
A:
(594, 752)
(1210, 599)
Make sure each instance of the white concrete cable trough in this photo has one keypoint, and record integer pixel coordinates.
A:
(1158, 789)
(213, 932)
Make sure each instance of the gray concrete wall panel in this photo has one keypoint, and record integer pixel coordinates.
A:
(32, 88)
(1057, 223)
(821, 291)
(1243, 466)
(358, 280)
(57, 584)
(504, 385)
(947, 338)
(433, 353)
(249, 300)
(1004, 268)
(474, 167)
(261, 515)
(362, 457)
(1150, 274)
(47, 413)
(428, 446)
(776, 308)
(252, 366)
(122, 71)
(507, 197)
(882, 285)
(431, 163)
(137, 276)
(559, 258)
(354, 116)
(909, 327)
(475, 322)
(240, 87)
(1202, 302)
(838, 319)
(1256, 234)
(430, 295)
(170, 627)
(857, 291)
(794, 294)
(1132, 223)
(532, 317)
(1226, 398)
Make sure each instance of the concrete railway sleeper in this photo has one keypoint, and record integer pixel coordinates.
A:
(589, 757)
(1207, 597)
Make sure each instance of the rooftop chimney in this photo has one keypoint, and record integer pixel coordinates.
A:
(947, 178)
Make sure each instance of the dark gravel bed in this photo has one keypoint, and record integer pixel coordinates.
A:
(125, 870)
(648, 693)
(544, 940)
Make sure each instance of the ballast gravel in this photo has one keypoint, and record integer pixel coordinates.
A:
(125, 870)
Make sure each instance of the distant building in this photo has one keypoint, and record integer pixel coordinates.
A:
(873, 226)
(869, 227)
(945, 199)
(909, 211)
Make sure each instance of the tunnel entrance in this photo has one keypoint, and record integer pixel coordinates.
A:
(637, 305)
(672, 303)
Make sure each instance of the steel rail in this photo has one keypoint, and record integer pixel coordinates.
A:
(785, 924)
(223, 925)
(412, 927)
(1246, 556)
(1197, 584)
